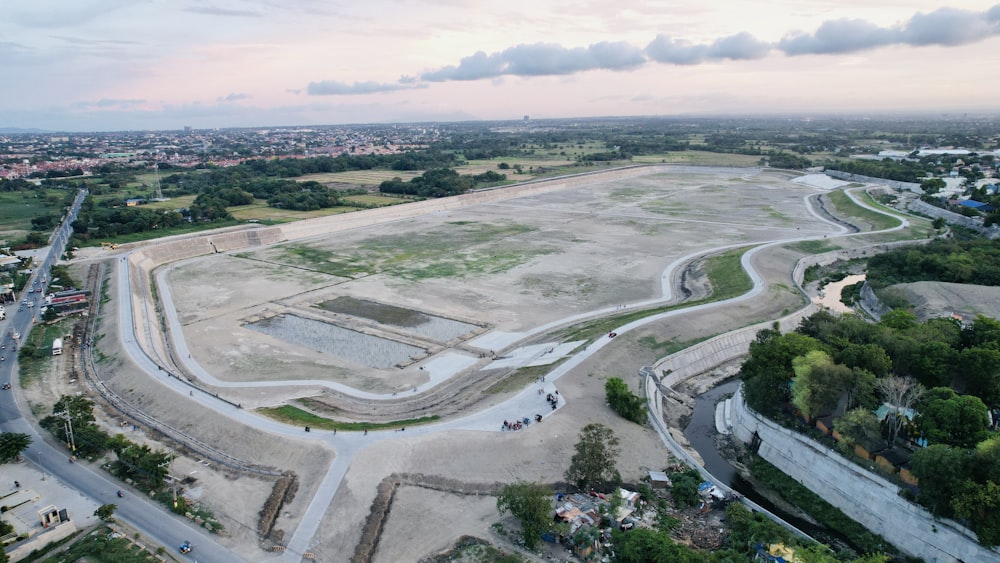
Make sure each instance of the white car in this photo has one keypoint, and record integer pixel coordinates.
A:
(30, 303)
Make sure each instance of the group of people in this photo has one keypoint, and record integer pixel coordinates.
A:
(553, 399)
(519, 424)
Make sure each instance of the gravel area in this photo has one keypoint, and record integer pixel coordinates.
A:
(355, 347)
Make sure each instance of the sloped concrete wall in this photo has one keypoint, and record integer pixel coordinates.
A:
(862, 495)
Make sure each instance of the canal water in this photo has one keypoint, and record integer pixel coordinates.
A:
(700, 433)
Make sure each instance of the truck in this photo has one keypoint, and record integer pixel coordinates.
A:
(57, 347)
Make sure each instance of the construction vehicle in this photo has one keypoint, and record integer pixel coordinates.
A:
(109, 245)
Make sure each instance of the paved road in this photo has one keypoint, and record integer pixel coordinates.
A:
(348, 444)
(151, 519)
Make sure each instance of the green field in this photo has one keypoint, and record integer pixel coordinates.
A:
(18, 208)
(261, 211)
(180, 202)
(846, 206)
(455, 250)
(375, 200)
(699, 158)
(359, 177)
(298, 417)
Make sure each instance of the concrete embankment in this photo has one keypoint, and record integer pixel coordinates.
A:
(862, 495)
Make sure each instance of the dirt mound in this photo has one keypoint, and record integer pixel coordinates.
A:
(941, 299)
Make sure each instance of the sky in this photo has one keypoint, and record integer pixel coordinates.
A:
(107, 65)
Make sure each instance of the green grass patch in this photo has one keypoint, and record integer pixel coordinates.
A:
(456, 250)
(298, 417)
(827, 514)
(670, 346)
(17, 209)
(845, 205)
(264, 213)
(179, 202)
(814, 246)
(359, 177)
(725, 275)
(518, 380)
(703, 158)
(101, 546)
(372, 200)
(35, 352)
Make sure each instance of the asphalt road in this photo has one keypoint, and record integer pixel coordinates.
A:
(151, 519)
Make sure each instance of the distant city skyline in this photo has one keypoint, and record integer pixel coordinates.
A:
(107, 65)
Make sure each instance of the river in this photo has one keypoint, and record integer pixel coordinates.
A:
(701, 433)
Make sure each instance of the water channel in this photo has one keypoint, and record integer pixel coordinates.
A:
(700, 433)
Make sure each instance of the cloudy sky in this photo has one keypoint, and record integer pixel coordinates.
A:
(89, 65)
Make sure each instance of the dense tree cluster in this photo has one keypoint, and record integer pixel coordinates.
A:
(439, 182)
(76, 412)
(902, 170)
(947, 374)
(103, 222)
(974, 261)
(139, 463)
(831, 362)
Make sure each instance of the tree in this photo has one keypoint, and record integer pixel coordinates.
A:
(106, 512)
(858, 425)
(932, 186)
(871, 357)
(684, 487)
(643, 545)
(529, 503)
(768, 369)
(594, 463)
(622, 401)
(819, 383)
(11, 446)
(946, 417)
(980, 370)
(987, 460)
(980, 506)
(942, 471)
(901, 393)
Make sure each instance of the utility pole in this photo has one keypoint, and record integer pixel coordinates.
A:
(71, 442)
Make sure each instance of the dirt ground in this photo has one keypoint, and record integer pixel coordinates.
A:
(938, 299)
(563, 253)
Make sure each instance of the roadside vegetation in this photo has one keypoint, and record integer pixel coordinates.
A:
(295, 416)
(138, 465)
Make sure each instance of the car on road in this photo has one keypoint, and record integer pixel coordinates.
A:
(185, 547)
(30, 303)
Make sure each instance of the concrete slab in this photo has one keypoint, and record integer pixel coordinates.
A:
(496, 340)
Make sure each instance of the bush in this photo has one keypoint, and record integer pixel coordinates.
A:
(623, 402)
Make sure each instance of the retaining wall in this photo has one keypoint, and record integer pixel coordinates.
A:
(862, 495)
(896, 184)
(952, 218)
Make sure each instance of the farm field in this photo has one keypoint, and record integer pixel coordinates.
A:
(261, 211)
(360, 177)
(701, 158)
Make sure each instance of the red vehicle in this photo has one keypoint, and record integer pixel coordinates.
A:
(612, 334)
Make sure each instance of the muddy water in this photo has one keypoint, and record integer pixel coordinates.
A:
(829, 296)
